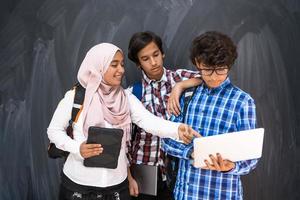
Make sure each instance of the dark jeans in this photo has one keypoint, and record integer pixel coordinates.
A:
(72, 191)
(65, 194)
(163, 192)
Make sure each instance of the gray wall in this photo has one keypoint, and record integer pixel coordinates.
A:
(42, 43)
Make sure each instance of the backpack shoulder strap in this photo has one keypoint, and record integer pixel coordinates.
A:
(78, 102)
(77, 107)
(188, 95)
(137, 90)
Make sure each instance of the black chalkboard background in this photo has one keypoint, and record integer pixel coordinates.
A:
(42, 43)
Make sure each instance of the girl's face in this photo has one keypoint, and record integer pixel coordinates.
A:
(114, 74)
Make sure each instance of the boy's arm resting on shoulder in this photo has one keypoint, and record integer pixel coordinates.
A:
(184, 74)
(173, 106)
(246, 120)
(58, 125)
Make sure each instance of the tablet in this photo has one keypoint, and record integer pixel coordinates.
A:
(146, 178)
(236, 146)
(110, 139)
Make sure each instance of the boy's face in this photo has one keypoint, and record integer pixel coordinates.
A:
(213, 77)
(151, 61)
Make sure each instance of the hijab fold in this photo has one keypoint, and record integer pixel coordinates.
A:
(102, 102)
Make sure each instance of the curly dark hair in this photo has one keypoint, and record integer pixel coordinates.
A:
(139, 40)
(213, 49)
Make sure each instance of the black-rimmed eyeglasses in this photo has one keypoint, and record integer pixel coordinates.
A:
(218, 70)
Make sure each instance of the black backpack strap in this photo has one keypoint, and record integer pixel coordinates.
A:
(77, 106)
(172, 165)
(78, 101)
(53, 151)
(188, 95)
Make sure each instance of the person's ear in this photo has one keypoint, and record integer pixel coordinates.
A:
(197, 63)
(163, 56)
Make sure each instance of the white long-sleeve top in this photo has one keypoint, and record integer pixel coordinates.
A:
(93, 176)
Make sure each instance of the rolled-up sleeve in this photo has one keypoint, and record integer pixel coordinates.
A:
(246, 120)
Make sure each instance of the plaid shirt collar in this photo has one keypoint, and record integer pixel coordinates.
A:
(223, 85)
(148, 81)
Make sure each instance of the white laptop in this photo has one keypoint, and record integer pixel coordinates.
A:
(236, 146)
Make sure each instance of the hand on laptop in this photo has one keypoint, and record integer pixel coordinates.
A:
(186, 133)
(218, 163)
(90, 150)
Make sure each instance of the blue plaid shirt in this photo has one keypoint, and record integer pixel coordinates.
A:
(211, 112)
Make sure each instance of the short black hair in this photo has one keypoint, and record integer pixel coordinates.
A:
(139, 40)
(213, 49)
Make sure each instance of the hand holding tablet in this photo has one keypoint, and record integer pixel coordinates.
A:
(110, 139)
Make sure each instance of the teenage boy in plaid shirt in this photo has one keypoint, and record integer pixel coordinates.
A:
(145, 50)
(217, 107)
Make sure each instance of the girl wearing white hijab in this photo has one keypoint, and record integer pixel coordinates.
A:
(106, 104)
